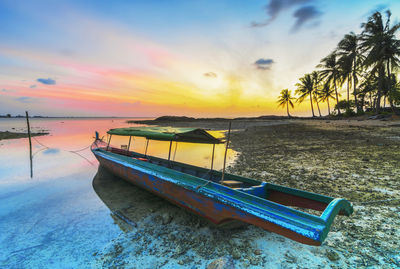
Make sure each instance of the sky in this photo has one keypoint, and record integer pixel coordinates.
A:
(224, 58)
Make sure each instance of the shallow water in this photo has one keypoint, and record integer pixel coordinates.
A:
(56, 219)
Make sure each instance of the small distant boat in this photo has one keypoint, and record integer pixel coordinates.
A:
(220, 197)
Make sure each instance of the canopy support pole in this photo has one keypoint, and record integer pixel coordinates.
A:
(129, 143)
(212, 157)
(169, 152)
(109, 140)
(226, 151)
(176, 146)
(147, 145)
(212, 162)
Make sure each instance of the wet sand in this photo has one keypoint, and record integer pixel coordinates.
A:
(356, 160)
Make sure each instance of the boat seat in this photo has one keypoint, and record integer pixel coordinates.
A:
(231, 183)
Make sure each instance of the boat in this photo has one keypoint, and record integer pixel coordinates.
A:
(215, 195)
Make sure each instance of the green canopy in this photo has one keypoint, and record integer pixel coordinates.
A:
(191, 135)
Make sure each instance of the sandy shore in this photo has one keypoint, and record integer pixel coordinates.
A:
(356, 160)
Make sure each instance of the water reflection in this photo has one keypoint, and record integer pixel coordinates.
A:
(128, 203)
(57, 218)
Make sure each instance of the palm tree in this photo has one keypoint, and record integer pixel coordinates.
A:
(306, 88)
(349, 54)
(325, 94)
(285, 99)
(345, 70)
(394, 93)
(330, 72)
(382, 48)
(317, 83)
(315, 98)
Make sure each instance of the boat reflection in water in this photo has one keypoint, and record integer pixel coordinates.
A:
(128, 203)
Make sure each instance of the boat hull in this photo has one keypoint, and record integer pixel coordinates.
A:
(204, 206)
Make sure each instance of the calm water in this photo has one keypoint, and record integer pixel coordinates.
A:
(56, 218)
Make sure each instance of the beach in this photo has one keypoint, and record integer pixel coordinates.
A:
(119, 225)
(356, 160)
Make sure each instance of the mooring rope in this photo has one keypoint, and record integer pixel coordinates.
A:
(71, 151)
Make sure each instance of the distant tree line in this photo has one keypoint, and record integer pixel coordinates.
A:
(365, 65)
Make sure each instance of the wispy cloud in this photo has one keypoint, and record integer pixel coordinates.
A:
(303, 15)
(25, 99)
(210, 75)
(33, 86)
(47, 81)
(264, 64)
(7, 90)
(275, 7)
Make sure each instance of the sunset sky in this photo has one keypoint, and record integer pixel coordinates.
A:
(152, 58)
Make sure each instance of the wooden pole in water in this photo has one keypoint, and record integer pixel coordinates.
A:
(169, 152)
(30, 142)
(226, 150)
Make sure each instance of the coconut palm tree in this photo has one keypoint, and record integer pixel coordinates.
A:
(316, 100)
(349, 54)
(345, 70)
(325, 94)
(285, 99)
(306, 88)
(317, 84)
(330, 72)
(382, 49)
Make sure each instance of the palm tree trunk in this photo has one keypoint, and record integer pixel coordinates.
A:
(319, 111)
(370, 100)
(312, 108)
(389, 84)
(380, 87)
(355, 88)
(287, 109)
(329, 109)
(348, 92)
(337, 96)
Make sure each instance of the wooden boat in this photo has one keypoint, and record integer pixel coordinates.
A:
(202, 191)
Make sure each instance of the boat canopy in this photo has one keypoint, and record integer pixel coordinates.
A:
(192, 135)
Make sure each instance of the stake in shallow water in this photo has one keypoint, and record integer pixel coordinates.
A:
(30, 141)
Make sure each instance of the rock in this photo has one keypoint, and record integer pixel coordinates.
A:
(236, 254)
(179, 250)
(222, 263)
(332, 255)
(257, 252)
(166, 218)
(181, 262)
(253, 260)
